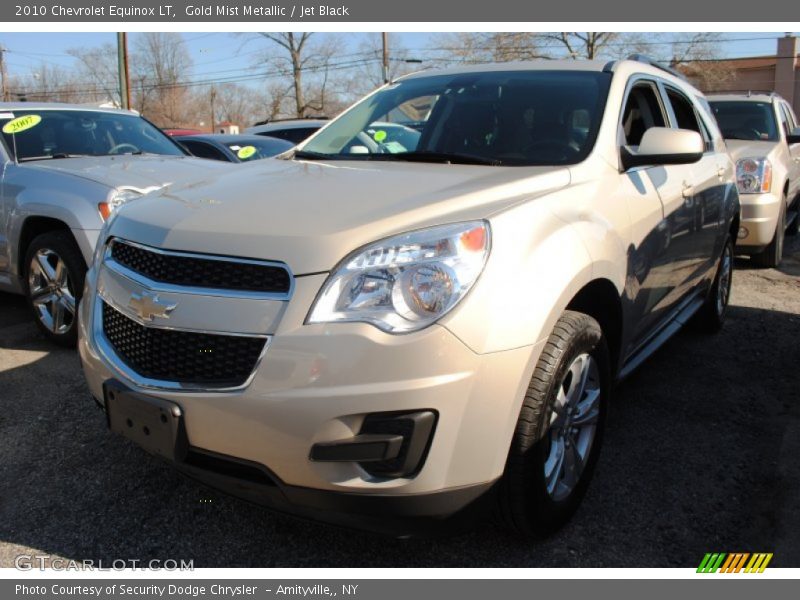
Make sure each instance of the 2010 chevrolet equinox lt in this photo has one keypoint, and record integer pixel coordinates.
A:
(383, 329)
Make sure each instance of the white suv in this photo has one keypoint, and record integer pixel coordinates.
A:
(390, 333)
(760, 130)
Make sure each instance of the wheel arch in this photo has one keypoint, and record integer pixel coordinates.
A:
(33, 227)
(600, 300)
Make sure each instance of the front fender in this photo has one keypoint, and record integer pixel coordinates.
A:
(69, 200)
(538, 263)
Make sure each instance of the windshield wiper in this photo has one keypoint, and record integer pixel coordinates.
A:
(307, 155)
(420, 156)
(51, 156)
(438, 157)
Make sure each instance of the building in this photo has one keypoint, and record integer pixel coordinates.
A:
(778, 73)
(227, 127)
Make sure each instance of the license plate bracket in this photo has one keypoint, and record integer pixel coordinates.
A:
(153, 423)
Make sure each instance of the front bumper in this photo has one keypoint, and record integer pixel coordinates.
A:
(316, 384)
(759, 220)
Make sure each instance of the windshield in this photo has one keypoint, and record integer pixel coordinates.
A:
(753, 121)
(508, 118)
(255, 149)
(65, 133)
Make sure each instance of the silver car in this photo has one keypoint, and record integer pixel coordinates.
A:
(64, 169)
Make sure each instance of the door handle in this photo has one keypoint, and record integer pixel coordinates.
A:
(721, 172)
(688, 190)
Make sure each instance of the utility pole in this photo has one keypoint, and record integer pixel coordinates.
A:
(3, 88)
(124, 76)
(385, 37)
(213, 97)
(127, 70)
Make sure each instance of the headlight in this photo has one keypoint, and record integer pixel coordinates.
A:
(753, 175)
(406, 282)
(115, 200)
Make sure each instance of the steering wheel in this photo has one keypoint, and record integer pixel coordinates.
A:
(119, 148)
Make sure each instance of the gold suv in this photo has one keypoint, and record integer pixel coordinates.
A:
(424, 308)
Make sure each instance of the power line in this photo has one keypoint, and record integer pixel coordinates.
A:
(78, 89)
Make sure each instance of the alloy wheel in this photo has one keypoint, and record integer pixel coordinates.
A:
(573, 425)
(724, 283)
(51, 292)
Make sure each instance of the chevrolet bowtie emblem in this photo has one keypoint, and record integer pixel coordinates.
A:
(148, 306)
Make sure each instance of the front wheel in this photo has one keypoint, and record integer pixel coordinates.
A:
(54, 276)
(559, 430)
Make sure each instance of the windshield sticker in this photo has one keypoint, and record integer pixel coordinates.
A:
(21, 124)
(379, 135)
(246, 152)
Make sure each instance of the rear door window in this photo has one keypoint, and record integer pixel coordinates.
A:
(202, 150)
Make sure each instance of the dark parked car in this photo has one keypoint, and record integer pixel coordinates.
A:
(292, 130)
(233, 148)
(177, 132)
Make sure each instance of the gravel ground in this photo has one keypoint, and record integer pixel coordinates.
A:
(700, 455)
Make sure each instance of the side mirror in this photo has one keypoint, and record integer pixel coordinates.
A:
(664, 146)
(794, 136)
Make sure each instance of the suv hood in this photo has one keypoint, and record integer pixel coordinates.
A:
(310, 215)
(143, 172)
(739, 149)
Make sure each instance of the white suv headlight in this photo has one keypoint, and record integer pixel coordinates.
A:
(406, 282)
(753, 175)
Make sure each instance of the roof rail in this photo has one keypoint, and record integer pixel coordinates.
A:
(654, 63)
(771, 93)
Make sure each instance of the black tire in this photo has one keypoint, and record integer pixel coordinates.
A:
(711, 316)
(771, 256)
(793, 228)
(524, 504)
(53, 247)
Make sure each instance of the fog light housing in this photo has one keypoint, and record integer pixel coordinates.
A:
(389, 445)
(415, 428)
(743, 233)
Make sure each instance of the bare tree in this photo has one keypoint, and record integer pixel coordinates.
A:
(475, 47)
(98, 66)
(369, 74)
(698, 57)
(306, 63)
(236, 103)
(160, 65)
(47, 83)
(583, 45)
